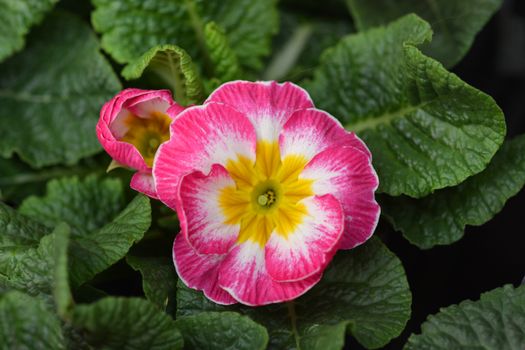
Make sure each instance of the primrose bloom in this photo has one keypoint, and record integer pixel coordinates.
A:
(132, 126)
(267, 188)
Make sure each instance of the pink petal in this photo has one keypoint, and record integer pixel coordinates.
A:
(311, 131)
(201, 136)
(199, 271)
(243, 274)
(143, 183)
(304, 252)
(202, 220)
(268, 105)
(175, 110)
(347, 174)
(109, 128)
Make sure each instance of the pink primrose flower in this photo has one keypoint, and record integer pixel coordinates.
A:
(267, 188)
(132, 126)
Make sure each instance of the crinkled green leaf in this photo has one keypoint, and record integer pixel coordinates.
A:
(174, 67)
(51, 94)
(222, 58)
(221, 330)
(130, 27)
(86, 205)
(101, 233)
(496, 321)
(126, 323)
(425, 127)
(27, 323)
(19, 238)
(32, 266)
(159, 279)
(455, 23)
(95, 252)
(364, 290)
(18, 231)
(16, 18)
(441, 217)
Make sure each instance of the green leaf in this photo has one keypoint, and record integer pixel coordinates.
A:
(67, 108)
(86, 205)
(455, 23)
(221, 330)
(223, 58)
(441, 217)
(174, 67)
(364, 290)
(18, 180)
(101, 233)
(18, 231)
(31, 266)
(126, 323)
(496, 321)
(130, 27)
(426, 128)
(61, 292)
(16, 18)
(26, 323)
(159, 279)
(95, 252)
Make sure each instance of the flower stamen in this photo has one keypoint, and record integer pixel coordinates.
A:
(266, 199)
(146, 134)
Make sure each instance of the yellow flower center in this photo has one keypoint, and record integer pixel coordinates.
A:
(266, 195)
(147, 134)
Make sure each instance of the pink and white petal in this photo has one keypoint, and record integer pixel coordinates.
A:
(268, 105)
(307, 250)
(111, 108)
(199, 271)
(146, 104)
(347, 174)
(143, 106)
(244, 276)
(311, 131)
(143, 183)
(201, 136)
(203, 221)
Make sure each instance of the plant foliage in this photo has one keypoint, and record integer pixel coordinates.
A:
(85, 263)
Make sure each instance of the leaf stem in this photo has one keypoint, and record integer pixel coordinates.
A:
(24, 178)
(293, 320)
(198, 27)
(284, 61)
